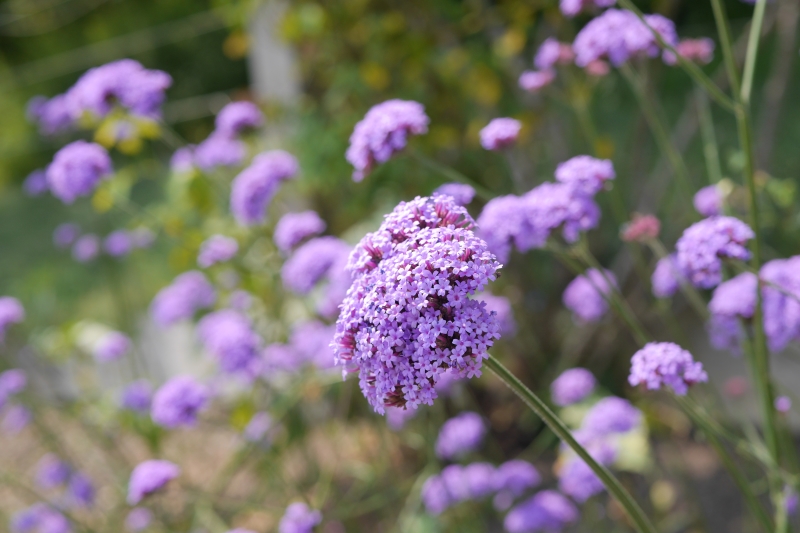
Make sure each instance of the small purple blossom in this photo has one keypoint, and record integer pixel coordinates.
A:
(460, 435)
(783, 404)
(666, 364)
(299, 518)
(586, 295)
(15, 419)
(550, 53)
(65, 234)
(81, 490)
(36, 183)
(118, 243)
(53, 116)
(138, 519)
(229, 337)
(111, 346)
(237, 117)
(217, 249)
(11, 312)
(182, 159)
(503, 222)
(577, 479)
(700, 51)
(188, 293)
(611, 415)
(535, 80)
(666, 279)
(253, 188)
(137, 396)
(460, 192)
(547, 511)
(86, 248)
(313, 261)
(219, 151)
(52, 472)
(704, 244)
(149, 477)
(571, 8)
(178, 402)
(517, 476)
(12, 381)
(40, 518)
(500, 133)
(708, 201)
(382, 132)
(587, 174)
(780, 292)
(572, 386)
(294, 228)
(553, 206)
(77, 169)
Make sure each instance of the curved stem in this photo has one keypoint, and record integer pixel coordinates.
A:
(752, 51)
(610, 481)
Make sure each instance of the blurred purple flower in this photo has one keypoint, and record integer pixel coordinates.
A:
(118, 243)
(783, 404)
(516, 477)
(218, 151)
(299, 518)
(65, 234)
(460, 435)
(86, 248)
(294, 228)
(547, 511)
(187, 294)
(36, 183)
(551, 52)
(570, 8)
(236, 117)
(111, 346)
(641, 228)
(81, 490)
(11, 312)
(666, 277)
(52, 472)
(584, 296)
(182, 159)
(12, 381)
(253, 188)
(461, 193)
(76, 170)
(780, 292)
(178, 402)
(138, 519)
(665, 364)
(611, 415)
(703, 245)
(572, 386)
(535, 80)
(15, 419)
(313, 261)
(708, 201)
(500, 133)
(137, 396)
(258, 426)
(229, 337)
(587, 174)
(217, 249)
(53, 116)
(577, 479)
(149, 477)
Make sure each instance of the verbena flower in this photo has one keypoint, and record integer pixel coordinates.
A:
(618, 35)
(219, 150)
(586, 295)
(534, 80)
(217, 249)
(138, 519)
(178, 402)
(12, 381)
(111, 346)
(461, 193)
(551, 52)
(137, 396)
(11, 312)
(86, 248)
(587, 174)
(517, 477)
(76, 170)
(571, 8)
(460, 435)
(313, 261)
(553, 206)
(641, 228)
(458, 484)
(500, 133)
(708, 201)
(611, 415)
(780, 292)
(407, 318)
(81, 490)
(577, 480)
(182, 159)
(382, 132)
(547, 511)
(783, 404)
(666, 364)
(704, 244)
(698, 50)
(229, 337)
(299, 518)
(187, 294)
(504, 222)
(65, 234)
(40, 518)
(500, 307)
(294, 228)
(149, 477)
(52, 472)
(53, 115)
(666, 277)
(572, 386)
(36, 183)
(118, 243)
(236, 117)
(255, 186)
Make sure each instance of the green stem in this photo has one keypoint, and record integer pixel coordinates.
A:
(691, 69)
(451, 174)
(733, 469)
(724, 31)
(752, 52)
(610, 481)
(710, 147)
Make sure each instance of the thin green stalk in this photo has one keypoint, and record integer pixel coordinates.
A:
(691, 69)
(658, 128)
(728, 462)
(726, 44)
(451, 174)
(710, 146)
(752, 52)
(610, 481)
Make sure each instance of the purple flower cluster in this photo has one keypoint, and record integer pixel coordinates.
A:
(704, 244)
(217, 249)
(178, 402)
(666, 364)
(237, 117)
(255, 186)
(149, 477)
(708, 201)
(53, 115)
(407, 318)
(576, 478)
(551, 53)
(572, 386)
(475, 481)
(547, 511)
(86, 248)
(618, 35)
(528, 221)
(217, 150)
(111, 346)
(223, 148)
(535, 80)
(40, 518)
(137, 396)
(500, 133)
(11, 312)
(76, 170)
(382, 132)
(571, 8)
(313, 261)
(611, 415)
(586, 295)
(118, 243)
(188, 293)
(460, 435)
(461, 193)
(294, 228)
(299, 518)
(309, 344)
(666, 279)
(229, 337)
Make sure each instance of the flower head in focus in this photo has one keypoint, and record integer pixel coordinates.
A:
(149, 477)
(187, 294)
(500, 133)
(293, 228)
(586, 295)
(217, 249)
(666, 364)
(178, 402)
(572, 386)
(253, 188)
(382, 132)
(299, 518)
(704, 244)
(460, 435)
(76, 170)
